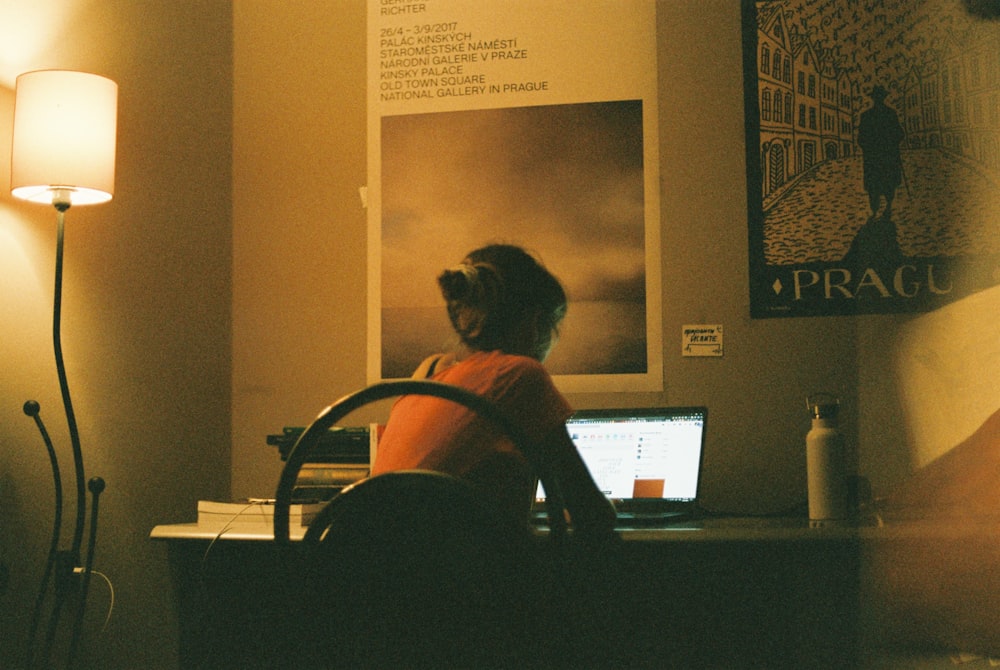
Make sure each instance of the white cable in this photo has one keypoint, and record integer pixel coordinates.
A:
(227, 526)
(111, 596)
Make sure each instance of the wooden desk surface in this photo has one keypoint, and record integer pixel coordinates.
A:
(721, 529)
(709, 530)
(244, 531)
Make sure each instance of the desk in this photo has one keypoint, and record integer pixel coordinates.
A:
(733, 593)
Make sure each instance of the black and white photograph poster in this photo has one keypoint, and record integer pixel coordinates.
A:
(523, 122)
(873, 135)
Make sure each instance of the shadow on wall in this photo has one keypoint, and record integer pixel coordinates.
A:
(946, 366)
(937, 579)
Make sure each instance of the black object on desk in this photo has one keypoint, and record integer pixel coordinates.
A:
(348, 444)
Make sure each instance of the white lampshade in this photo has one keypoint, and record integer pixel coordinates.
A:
(63, 149)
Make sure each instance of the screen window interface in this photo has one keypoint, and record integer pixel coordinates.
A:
(641, 457)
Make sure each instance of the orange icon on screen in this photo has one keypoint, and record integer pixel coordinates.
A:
(647, 488)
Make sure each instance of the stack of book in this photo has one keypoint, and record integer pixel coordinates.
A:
(342, 457)
(218, 515)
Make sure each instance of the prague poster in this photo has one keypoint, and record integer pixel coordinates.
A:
(873, 151)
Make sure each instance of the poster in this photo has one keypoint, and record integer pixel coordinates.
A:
(873, 154)
(524, 122)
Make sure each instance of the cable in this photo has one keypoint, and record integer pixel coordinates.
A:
(111, 596)
(225, 528)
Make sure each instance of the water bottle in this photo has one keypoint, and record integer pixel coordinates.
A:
(826, 465)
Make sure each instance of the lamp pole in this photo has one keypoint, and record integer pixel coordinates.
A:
(61, 206)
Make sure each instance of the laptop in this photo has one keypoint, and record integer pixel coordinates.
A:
(647, 461)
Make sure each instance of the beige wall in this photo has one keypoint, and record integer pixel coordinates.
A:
(926, 382)
(299, 228)
(299, 240)
(146, 313)
(299, 268)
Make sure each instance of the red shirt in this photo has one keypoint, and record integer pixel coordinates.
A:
(435, 434)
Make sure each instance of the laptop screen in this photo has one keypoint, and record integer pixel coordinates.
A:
(652, 454)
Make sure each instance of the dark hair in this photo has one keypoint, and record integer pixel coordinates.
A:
(495, 291)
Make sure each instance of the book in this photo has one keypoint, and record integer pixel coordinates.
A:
(254, 510)
(326, 474)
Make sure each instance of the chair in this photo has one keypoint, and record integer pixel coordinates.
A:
(412, 569)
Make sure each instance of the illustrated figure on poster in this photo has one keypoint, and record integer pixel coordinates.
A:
(879, 136)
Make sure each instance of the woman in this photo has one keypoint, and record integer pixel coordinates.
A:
(505, 308)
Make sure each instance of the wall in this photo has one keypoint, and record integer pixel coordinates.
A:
(926, 383)
(908, 392)
(300, 229)
(146, 313)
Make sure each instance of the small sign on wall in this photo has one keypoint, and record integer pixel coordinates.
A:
(701, 340)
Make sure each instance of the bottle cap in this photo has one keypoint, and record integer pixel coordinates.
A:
(823, 405)
(825, 411)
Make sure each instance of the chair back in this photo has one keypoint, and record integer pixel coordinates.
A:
(329, 417)
(413, 568)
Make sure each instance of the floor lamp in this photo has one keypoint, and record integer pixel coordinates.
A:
(63, 154)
